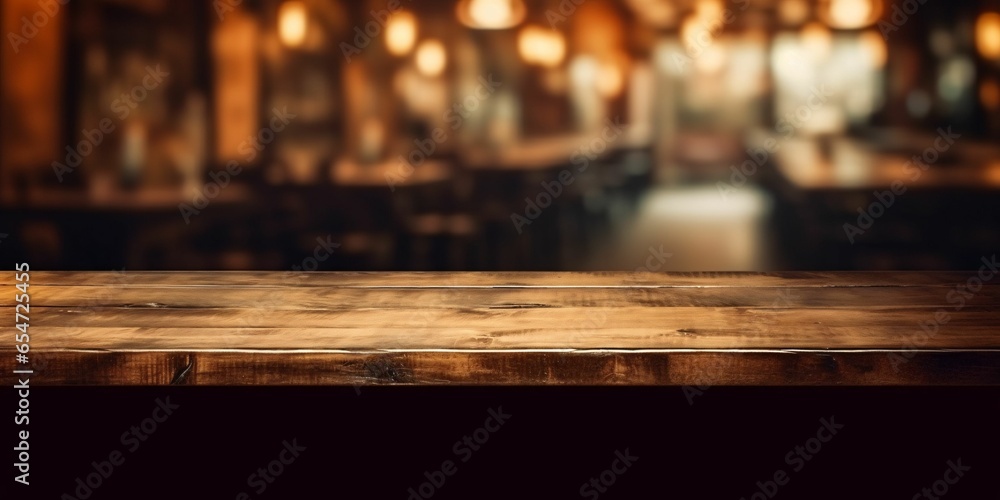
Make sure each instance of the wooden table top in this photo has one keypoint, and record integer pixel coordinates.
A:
(342, 328)
(550, 152)
(143, 199)
(348, 172)
(853, 165)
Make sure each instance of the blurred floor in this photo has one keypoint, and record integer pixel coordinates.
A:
(693, 228)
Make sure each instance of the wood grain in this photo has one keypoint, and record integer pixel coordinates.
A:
(274, 328)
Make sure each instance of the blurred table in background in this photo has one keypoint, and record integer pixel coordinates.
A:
(856, 204)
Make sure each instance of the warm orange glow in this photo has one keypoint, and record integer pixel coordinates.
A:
(610, 77)
(431, 58)
(850, 14)
(816, 40)
(610, 80)
(541, 46)
(292, 23)
(701, 27)
(873, 46)
(659, 13)
(691, 28)
(401, 33)
(708, 9)
(712, 60)
(988, 35)
(793, 12)
(491, 14)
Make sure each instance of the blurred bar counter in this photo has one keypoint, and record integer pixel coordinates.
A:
(498, 135)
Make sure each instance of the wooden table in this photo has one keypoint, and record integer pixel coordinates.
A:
(277, 328)
(385, 174)
(856, 165)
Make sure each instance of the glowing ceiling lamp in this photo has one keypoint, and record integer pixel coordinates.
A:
(988, 35)
(541, 46)
(431, 58)
(292, 22)
(491, 14)
(850, 14)
(401, 33)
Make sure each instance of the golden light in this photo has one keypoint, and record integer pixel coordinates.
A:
(431, 58)
(292, 23)
(793, 12)
(709, 10)
(610, 80)
(692, 28)
(873, 46)
(988, 35)
(541, 46)
(490, 14)
(850, 14)
(712, 60)
(702, 26)
(816, 40)
(401, 33)
(658, 13)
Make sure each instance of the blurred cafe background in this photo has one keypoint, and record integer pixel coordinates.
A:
(682, 135)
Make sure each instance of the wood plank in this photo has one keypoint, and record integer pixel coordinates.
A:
(338, 298)
(579, 328)
(702, 369)
(509, 328)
